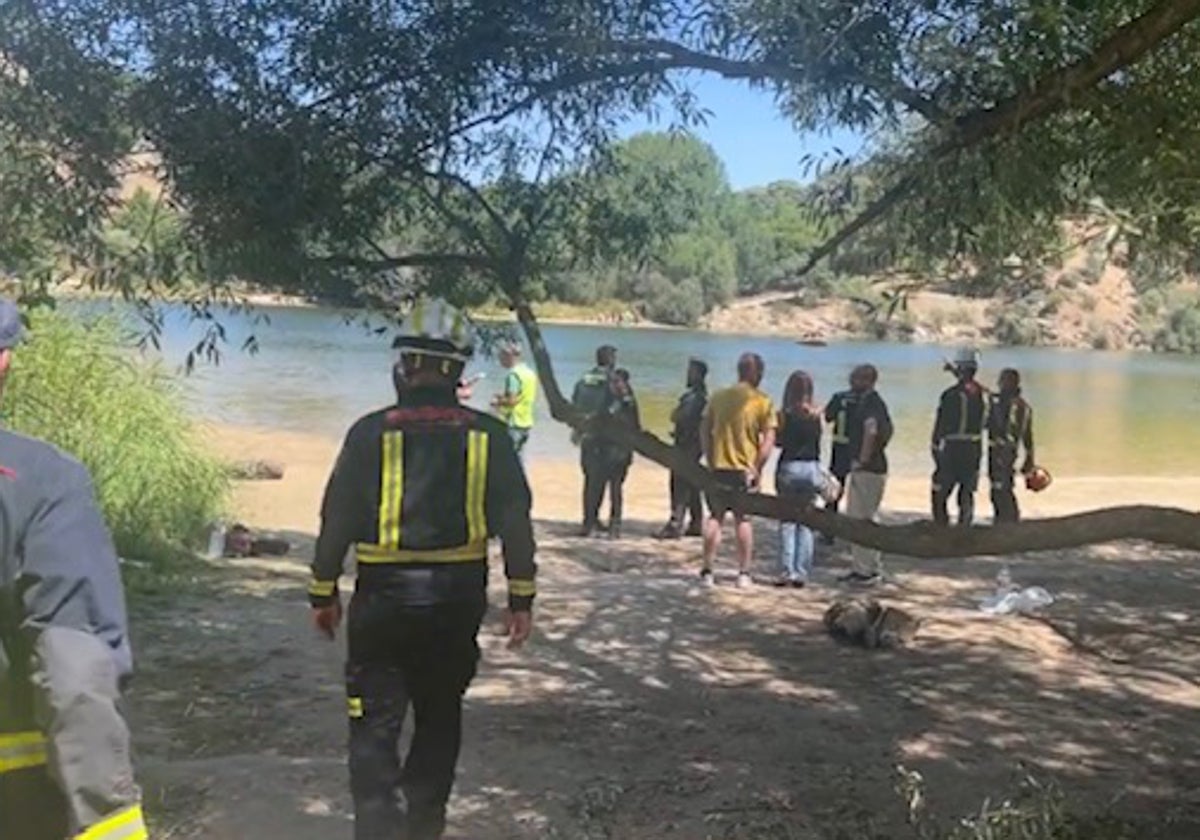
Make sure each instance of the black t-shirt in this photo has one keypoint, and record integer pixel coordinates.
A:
(840, 412)
(799, 437)
(871, 407)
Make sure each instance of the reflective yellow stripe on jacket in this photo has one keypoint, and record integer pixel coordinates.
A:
(391, 490)
(391, 508)
(126, 824)
(21, 750)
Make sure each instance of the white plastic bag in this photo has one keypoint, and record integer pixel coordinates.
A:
(1026, 600)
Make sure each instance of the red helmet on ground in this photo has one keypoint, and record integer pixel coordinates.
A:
(1038, 479)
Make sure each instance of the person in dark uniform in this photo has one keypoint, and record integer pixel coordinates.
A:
(1009, 427)
(957, 441)
(839, 411)
(65, 767)
(417, 491)
(595, 393)
(618, 457)
(686, 419)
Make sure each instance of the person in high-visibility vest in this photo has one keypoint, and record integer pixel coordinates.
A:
(516, 405)
(957, 441)
(417, 491)
(65, 768)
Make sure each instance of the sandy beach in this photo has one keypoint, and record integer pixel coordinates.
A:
(648, 708)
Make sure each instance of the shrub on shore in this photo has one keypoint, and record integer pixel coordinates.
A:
(77, 386)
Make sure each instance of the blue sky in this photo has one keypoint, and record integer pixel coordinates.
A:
(757, 145)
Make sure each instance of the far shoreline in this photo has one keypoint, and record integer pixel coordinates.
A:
(814, 336)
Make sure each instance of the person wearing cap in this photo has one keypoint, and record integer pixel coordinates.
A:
(65, 766)
(957, 440)
(1009, 427)
(515, 406)
(417, 491)
(686, 419)
(596, 393)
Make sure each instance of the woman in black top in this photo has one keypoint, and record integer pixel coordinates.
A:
(799, 475)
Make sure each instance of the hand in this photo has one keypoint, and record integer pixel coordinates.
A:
(327, 619)
(518, 626)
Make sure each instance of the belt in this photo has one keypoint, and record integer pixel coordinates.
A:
(964, 438)
(372, 553)
(21, 750)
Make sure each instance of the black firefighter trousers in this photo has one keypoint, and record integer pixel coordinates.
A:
(685, 497)
(31, 806)
(1002, 462)
(402, 656)
(957, 467)
(603, 470)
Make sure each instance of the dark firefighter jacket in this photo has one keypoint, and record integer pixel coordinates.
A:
(1010, 422)
(961, 414)
(65, 641)
(417, 491)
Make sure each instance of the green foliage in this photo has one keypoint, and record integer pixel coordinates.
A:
(1038, 811)
(671, 302)
(76, 386)
(1016, 323)
(1181, 332)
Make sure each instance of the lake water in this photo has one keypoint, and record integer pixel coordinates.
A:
(1096, 414)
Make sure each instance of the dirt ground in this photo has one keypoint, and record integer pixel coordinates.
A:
(649, 708)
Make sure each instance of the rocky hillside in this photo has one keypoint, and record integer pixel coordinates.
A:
(1091, 300)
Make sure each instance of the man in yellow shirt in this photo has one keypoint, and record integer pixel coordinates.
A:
(738, 435)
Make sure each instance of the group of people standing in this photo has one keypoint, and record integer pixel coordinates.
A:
(736, 431)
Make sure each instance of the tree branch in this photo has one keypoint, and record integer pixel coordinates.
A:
(1166, 526)
(1054, 91)
(1125, 46)
(675, 56)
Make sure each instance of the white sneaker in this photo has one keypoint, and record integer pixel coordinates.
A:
(744, 581)
(706, 579)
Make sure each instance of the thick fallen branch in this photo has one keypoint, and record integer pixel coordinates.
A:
(1166, 526)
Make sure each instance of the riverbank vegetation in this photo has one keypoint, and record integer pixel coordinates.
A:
(78, 387)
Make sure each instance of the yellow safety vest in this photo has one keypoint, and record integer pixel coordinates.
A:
(520, 416)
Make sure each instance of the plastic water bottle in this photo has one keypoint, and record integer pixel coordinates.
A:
(216, 541)
(1004, 581)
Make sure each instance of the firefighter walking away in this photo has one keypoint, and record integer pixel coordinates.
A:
(417, 491)
(65, 766)
(957, 442)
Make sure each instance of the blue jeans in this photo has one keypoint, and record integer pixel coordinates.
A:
(797, 480)
(519, 437)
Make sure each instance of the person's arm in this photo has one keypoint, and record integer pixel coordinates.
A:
(75, 627)
(870, 438)
(342, 511)
(939, 425)
(766, 441)
(706, 432)
(509, 504)
(832, 408)
(512, 392)
(1027, 440)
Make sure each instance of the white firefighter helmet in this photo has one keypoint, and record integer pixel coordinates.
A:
(966, 357)
(435, 328)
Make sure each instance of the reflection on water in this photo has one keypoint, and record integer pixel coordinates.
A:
(1095, 413)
